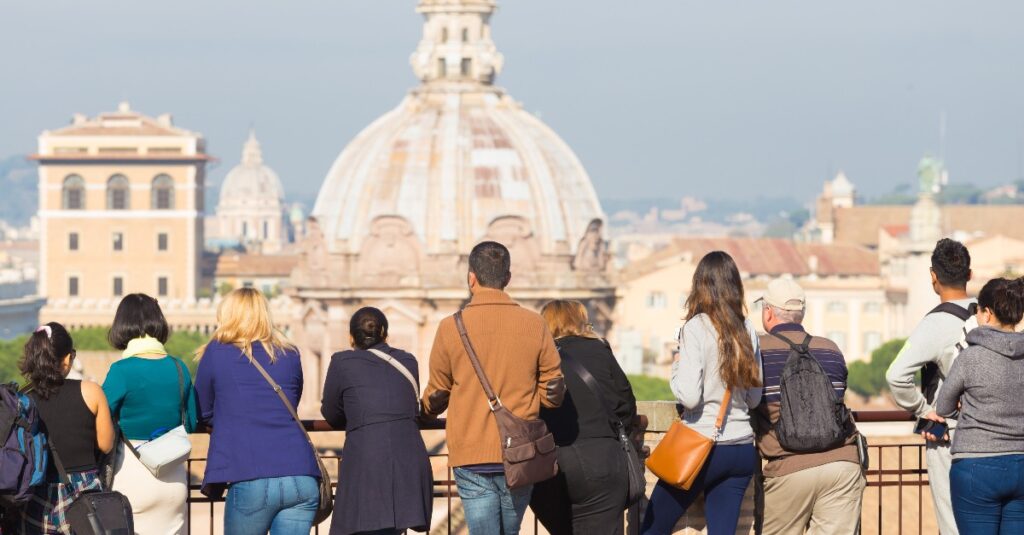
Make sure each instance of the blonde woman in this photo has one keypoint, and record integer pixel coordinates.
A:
(590, 491)
(256, 450)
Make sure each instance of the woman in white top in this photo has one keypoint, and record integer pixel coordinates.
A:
(718, 349)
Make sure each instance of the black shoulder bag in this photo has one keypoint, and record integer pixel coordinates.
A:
(634, 468)
(96, 512)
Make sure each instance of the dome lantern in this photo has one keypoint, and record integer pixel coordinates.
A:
(456, 46)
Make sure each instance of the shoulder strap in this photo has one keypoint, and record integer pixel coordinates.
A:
(953, 309)
(802, 347)
(404, 371)
(592, 385)
(284, 400)
(720, 421)
(181, 388)
(492, 398)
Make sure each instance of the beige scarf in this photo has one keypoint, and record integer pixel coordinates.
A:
(146, 345)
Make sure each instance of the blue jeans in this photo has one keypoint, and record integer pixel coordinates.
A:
(723, 480)
(280, 505)
(491, 507)
(988, 495)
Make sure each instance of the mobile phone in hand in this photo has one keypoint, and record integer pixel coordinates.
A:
(936, 429)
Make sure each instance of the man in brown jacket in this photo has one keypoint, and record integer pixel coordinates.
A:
(519, 358)
(819, 491)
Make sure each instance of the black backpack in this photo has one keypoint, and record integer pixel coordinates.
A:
(812, 418)
(931, 375)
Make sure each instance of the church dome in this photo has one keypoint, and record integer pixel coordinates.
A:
(457, 154)
(251, 181)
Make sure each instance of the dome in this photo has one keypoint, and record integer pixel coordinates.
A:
(251, 181)
(457, 154)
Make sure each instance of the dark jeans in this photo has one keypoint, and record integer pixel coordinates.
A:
(988, 495)
(589, 493)
(723, 480)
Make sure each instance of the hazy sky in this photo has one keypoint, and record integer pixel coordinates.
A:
(659, 98)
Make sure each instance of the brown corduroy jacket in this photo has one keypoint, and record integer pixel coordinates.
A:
(519, 357)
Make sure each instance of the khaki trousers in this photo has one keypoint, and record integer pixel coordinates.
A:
(821, 500)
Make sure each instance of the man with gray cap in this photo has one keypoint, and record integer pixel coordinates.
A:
(819, 491)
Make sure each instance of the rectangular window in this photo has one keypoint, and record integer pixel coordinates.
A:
(657, 300)
(839, 338)
(266, 230)
(73, 241)
(119, 199)
(161, 286)
(118, 241)
(872, 307)
(73, 286)
(118, 287)
(837, 307)
(161, 241)
(466, 66)
(74, 196)
(872, 339)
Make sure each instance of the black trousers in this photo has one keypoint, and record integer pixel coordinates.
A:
(588, 495)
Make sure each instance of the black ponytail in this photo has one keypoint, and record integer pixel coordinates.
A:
(42, 362)
(1005, 298)
(368, 327)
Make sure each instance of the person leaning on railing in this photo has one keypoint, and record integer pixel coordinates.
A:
(256, 450)
(718, 352)
(148, 390)
(984, 386)
(590, 491)
(372, 392)
(77, 422)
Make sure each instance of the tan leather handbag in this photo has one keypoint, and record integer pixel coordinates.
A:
(678, 459)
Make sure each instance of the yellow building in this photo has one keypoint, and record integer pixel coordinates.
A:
(120, 210)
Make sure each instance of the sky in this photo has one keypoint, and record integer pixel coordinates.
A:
(659, 98)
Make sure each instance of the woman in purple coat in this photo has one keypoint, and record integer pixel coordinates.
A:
(372, 392)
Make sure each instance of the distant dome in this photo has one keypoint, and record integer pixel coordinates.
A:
(251, 181)
(457, 154)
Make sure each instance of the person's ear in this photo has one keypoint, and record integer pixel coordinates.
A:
(935, 280)
(508, 279)
(471, 280)
(970, 274)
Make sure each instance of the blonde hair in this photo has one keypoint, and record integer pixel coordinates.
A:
(567, 318)
(243, 318)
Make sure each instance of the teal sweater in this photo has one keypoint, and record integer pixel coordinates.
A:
(144, 396)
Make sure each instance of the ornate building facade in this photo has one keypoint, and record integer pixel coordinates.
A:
(457, 162)
(120, 211)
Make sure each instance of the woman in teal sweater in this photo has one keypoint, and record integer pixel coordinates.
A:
(150, 393)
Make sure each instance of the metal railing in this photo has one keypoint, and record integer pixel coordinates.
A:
(897, 477)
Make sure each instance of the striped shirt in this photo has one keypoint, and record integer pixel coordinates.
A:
(775, 352)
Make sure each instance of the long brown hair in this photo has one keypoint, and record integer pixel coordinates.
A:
(718, 292)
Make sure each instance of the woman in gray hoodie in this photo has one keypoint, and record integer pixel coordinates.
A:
(984, 385)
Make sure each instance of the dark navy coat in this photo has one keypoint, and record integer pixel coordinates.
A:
(385, 480)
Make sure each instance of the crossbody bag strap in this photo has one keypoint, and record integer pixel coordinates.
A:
(593, 386)
(181, 389)
(404, 371)
(492, 398)
(284, 399)
(720, 421)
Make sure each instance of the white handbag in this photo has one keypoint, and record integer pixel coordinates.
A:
(169, 449)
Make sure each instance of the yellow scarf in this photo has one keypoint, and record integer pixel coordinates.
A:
(146, 345)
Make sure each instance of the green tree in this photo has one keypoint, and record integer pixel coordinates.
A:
(224, 288)
(647, 388)
(10, 354)
(868, 378)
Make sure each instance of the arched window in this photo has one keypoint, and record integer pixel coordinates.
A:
(117, 193)
(162, 193)
(73, 196)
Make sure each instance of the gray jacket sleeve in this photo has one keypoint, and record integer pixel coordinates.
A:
(688, 372)
(948, 397)
(926, 344)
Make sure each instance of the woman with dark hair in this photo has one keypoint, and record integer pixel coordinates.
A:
(150, 393)
(983, 386)
(77, 425)
(372, 392)
(718, 360)
(590, 491)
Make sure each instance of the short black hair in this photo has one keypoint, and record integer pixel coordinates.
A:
(1005, 298)
(951, 263)
(138, 315)
(368, 327)
(491, 262)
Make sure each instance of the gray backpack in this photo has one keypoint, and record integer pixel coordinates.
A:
(812, 418)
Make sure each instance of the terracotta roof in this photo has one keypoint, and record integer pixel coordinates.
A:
(254, 265)
(860, 224)
(766, 256)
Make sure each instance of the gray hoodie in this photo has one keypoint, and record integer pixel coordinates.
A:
(987, 379)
